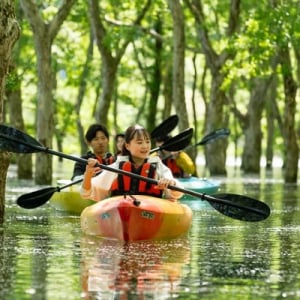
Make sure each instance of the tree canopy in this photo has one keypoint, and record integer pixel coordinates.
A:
(216, 64)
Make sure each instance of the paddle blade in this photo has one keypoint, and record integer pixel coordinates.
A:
(223, 132)
(179, 141)
(37, 198)
(239, 207)
(165, 127)
(13, 140)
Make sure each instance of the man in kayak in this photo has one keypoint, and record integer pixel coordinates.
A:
(178, 162)
(135, 159)
(97, 138)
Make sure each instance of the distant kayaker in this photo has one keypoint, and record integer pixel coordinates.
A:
(119, 141)
(179, 162)
(136, 159)
(97, 138)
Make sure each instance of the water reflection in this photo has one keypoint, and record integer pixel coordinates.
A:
(38, 253)
(137, 269)
(44, 255)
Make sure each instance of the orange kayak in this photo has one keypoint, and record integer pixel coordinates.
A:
(136, 217)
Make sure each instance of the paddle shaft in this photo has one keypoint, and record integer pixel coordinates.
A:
(69, 184)
(150, 180)
(224, 203)
(176, 141)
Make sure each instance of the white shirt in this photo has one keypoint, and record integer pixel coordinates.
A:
(102, 183)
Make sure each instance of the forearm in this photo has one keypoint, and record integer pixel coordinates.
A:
(87, 180)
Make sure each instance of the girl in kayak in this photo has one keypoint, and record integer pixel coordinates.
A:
(136, 159)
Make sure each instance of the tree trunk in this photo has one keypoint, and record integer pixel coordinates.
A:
(110, 57)
(45, 109)
(9, 34)
(253, 135)
(44, 34)
(271, 117)
(167, 91)
(81, 93)
(178, 81)
(215, 153)
(289, 127)
(156, 77)
(13, 93)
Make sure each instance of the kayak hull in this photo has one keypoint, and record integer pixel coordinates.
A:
(199, 185)
(123, 219)
(70, 202)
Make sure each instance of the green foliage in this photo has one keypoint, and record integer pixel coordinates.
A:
(13, 82)
(65, 119)
(262, 29)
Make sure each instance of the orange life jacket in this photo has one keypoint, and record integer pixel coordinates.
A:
(171, 164)
(129, 185)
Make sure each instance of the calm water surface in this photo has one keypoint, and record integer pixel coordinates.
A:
(44, 255)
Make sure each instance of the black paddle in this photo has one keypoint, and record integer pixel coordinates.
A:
(165, 127)
(181, 140)
(222, 132)
(176, 143)
(234, 206)
(40, 197)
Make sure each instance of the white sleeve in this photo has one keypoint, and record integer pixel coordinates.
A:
(164, 172)
(101, 184)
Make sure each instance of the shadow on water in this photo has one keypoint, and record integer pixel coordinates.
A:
(44, 255)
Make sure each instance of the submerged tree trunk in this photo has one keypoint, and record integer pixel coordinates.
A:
(215, 153)
(9, 34)
(216, 117)
(13, 93)
(271, 117)
(44, 33)
(253, 134)
(289, 126)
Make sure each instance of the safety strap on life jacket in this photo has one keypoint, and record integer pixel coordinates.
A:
(171, 164)
(128, 185)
